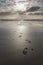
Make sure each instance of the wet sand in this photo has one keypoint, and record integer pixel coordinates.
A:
(21, 42)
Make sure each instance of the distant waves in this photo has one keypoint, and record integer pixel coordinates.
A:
(20, 19)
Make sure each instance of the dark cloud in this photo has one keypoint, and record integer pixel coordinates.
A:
(36, 13)
(32, 9)
(4, 13)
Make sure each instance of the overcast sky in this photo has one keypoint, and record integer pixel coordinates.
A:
(8, 5)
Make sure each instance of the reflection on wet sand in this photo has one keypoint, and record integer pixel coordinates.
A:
(21, 44)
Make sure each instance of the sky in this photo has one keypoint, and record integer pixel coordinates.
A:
(8, 6)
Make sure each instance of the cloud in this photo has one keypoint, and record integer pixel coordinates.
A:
(36, 13)
(5, 13)
(7, 6)
(32, 9)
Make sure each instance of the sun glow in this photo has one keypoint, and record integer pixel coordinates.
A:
(20, 7)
